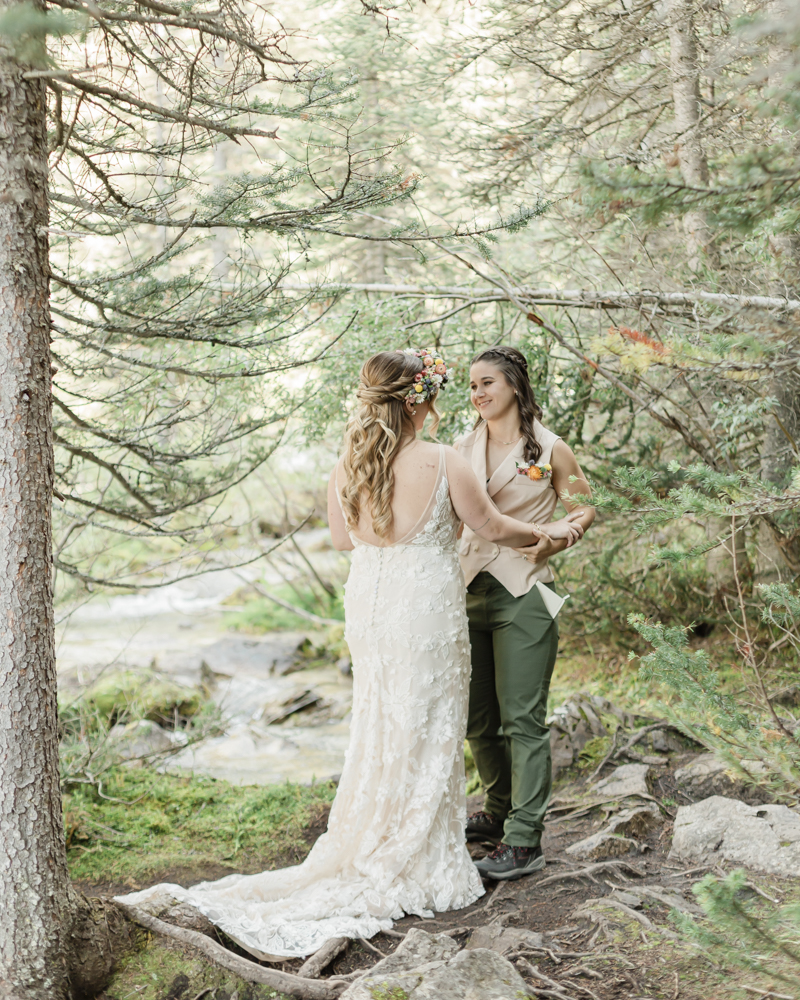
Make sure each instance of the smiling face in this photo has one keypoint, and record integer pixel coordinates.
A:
(490, 393)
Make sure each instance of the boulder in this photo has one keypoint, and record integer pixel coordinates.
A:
(764, 837)
(504, 940)
(629, 779)
(707, 775)
(430, 967)
(139, 739)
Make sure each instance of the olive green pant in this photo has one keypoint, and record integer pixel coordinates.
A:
(514, 646)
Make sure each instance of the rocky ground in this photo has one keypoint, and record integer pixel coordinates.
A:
(625, 843)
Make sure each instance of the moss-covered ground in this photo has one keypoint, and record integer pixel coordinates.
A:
(148, 827)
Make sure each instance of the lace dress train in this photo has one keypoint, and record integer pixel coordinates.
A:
(395, 840)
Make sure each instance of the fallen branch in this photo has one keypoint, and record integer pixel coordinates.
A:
(313, 966)
(283, 982)
(580, 298)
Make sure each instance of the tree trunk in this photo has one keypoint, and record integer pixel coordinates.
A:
(778, 556)
(35, 895)
(685, 73)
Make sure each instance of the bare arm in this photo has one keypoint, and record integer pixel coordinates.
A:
(472, 504)
(565, 531)
(336, 522)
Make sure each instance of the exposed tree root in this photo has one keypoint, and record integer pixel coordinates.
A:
(314, 965)
(305, 989)
(589, 871)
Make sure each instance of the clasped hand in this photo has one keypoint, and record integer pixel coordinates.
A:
(568, 528)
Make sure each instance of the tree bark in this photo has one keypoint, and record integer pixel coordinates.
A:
(685, 72)
(35, 897)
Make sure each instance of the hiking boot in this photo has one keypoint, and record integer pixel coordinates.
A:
(483, 826)
(506, 863)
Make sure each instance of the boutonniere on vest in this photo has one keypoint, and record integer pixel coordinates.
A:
(535, 471)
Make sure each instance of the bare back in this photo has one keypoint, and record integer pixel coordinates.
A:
(418, 469)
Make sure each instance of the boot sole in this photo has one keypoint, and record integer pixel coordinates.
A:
(512, 876)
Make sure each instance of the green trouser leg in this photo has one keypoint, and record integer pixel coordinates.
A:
(514, 646)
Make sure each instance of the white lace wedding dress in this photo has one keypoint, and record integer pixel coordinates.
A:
(395, 840)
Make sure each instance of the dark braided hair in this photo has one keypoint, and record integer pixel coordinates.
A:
(514, 367)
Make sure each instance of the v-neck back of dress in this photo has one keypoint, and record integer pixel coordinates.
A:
(437, 509)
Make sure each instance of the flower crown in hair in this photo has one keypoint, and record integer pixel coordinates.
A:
(433, 376)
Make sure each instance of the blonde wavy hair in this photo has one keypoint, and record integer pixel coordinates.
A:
(375, 434)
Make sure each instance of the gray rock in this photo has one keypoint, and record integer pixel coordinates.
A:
(665, 740)
(614, 839)
(141, 738)
(765, 838)
(629, 779)
(430, 967)
(707, 775)
(504, 940)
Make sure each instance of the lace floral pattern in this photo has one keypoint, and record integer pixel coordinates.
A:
(395, 840)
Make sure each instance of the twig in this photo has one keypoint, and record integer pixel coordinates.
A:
(755, 888)
(300, 612)
(305, 989)
(663, 724)
(766, 993)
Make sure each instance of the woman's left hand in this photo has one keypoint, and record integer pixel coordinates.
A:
(567, 527)
(541, 550)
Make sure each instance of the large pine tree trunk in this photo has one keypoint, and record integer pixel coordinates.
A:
(34, 887)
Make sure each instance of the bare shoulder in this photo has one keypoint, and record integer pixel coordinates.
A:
(562, 451)
(464, 441)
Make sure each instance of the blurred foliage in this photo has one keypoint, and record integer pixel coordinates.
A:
(742, 930)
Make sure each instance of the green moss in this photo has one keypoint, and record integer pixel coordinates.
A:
(163, 972)
(141, 695)
(162, 822)
(261, 615)
(593, 752)
(384, 992)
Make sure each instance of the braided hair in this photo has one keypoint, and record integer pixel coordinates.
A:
(514, 367)
(375, 434)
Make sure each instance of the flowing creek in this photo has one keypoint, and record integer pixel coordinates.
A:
(179, 631)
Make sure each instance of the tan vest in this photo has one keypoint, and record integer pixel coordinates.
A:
(514, 495)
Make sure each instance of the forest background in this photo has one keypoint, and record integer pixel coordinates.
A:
(243, 208)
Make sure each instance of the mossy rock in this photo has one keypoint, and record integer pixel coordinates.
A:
(142, 695)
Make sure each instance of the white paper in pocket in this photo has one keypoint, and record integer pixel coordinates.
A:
(552, 601)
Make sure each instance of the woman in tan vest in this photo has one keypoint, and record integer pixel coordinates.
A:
(513, 633)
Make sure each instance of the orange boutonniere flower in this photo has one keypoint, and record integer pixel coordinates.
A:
(535, 472)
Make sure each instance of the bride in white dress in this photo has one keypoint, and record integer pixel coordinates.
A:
(395, 840)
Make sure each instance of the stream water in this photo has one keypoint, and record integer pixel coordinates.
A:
(179, 631)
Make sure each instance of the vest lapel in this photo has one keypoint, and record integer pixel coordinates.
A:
(507, 469)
